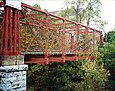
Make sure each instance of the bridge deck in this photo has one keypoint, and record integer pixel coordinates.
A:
(51, 53)
(39, 57)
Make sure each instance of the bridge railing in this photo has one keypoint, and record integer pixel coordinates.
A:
(41, 32)
(50, 33)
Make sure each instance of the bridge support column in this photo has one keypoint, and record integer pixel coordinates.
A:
(13, 73)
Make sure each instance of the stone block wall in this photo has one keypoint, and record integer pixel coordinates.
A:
(13, 78)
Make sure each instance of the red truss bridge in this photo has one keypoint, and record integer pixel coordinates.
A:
(43, 37)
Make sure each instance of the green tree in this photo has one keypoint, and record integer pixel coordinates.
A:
(37, 6)
(92, 10)
(74, 10)
(110, 36)
(72, 76)
(85, 12)
(107, 52)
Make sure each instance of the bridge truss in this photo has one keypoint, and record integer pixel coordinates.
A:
(43, 37)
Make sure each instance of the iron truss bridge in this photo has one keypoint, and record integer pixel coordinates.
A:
(43, 37)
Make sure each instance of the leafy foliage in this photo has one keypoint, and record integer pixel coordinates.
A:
(85, 12)
(110, 36)
(72, 76)
(107, 52)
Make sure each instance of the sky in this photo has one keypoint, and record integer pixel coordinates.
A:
(108, 14)
(107, 9)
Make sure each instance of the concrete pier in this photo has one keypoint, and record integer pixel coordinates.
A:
(13, 73)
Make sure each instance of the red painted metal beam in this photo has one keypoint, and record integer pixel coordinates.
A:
(63, 42)
(72, 42)
(32, 8)
(10, 31)
(6, 31)
(18, 27)
(46, 41)
(15, 30)
(2, 38)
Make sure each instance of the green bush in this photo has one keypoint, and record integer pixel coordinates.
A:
(85, 75)
(107, 53)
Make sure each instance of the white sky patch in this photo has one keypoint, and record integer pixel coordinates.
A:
(108, 14)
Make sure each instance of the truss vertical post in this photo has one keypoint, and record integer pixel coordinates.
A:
(76, 41)
(85, 43)
(18, 27)
(6, 30)
(46, 41)
(72, 42)
(11, 42)
(2, 38)
(15, 30)
(63, 42)
(93, 42)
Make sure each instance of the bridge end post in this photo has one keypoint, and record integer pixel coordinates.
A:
(12, 67)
